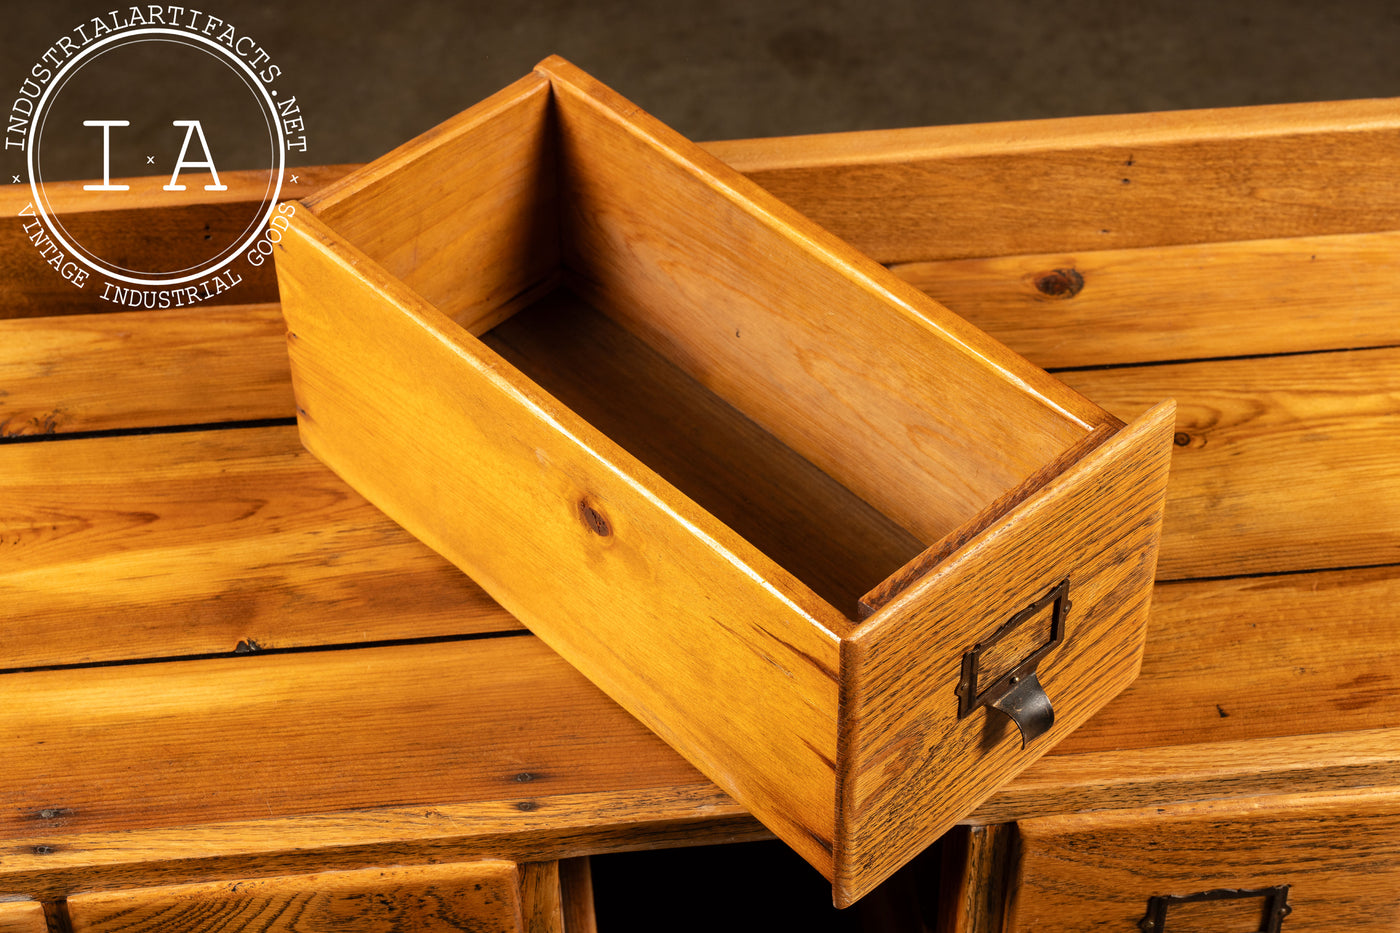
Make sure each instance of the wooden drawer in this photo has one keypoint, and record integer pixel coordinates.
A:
(1334, 859)
(807, 525)
(485, 897)
(22, 917)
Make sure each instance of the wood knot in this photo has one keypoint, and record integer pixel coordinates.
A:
(594, 520)
(1182, 439)
(1060, 283)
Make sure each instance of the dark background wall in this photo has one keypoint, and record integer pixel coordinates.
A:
(373, 74)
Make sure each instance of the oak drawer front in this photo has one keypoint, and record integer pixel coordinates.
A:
(22, 917)
(1218, 867)
(479, 896)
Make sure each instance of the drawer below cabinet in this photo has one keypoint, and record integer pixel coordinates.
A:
(1141, 870)
(22, 917)
(484, 897)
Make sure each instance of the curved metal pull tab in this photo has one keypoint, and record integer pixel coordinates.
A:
(1028, 707)
(1000, 671)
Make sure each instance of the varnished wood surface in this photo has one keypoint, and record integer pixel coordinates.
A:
(1275, 759)
(22, 917)
(813, 526)
(481, 897)
(918, 765)
(560, 826)
(1090, 183)
(1106, 307)
(132, 747)
(472, 250)
(655, 599)
(576, 893)
(894, 398)
(100, 372)
(1259, 656)
(1340, 854)
(1281, 463)
(1142, 777)
(207, 542)
(141, 221)
(972, 894)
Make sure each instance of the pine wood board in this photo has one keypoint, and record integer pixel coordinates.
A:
(103, 372)
(1090, 183)
(207, 542)
(136, 222)
(556, 826)
(1282, 463)
(460, 749)
(1161, 303)
(1339, 852)
(485, 896)
(1254, 657)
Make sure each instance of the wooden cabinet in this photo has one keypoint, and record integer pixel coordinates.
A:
(221, 663)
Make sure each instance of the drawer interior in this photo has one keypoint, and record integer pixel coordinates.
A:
(825, 535)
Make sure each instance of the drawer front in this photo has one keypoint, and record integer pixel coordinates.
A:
(1297, 863)
(22, 917)
(479, 896)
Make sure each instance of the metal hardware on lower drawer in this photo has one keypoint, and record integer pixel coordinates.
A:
(1017, 692)
(1274, 909)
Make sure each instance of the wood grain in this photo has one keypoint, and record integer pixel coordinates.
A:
(1105, 307)
(810, 524)
(1339, 852)
(476, 251)
(1253, 657)
(916, 765)
(477, 896)
(141, 223)
(1283, 463)
(657, 564)
(973, 887)
(576, 887)
(97, 372)
(22, 917)
(207, 542)
(557, 826)
(542, 898)
(739, 291)
(502, 728)
(1143, 777)
(1090, 183)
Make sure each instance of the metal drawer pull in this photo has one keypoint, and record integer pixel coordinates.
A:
(1007, 661)
(1271, 912)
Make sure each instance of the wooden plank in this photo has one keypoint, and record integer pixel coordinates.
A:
(139, 747)
(547, 826)
(1340, 853)
(22, 917)
(1283, 463)
(481, 896)
(1145, 777)
(207, 542)
(1091, 183)
(140, 222)
(1253, 657)
(95, 372)
(1105, 307)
